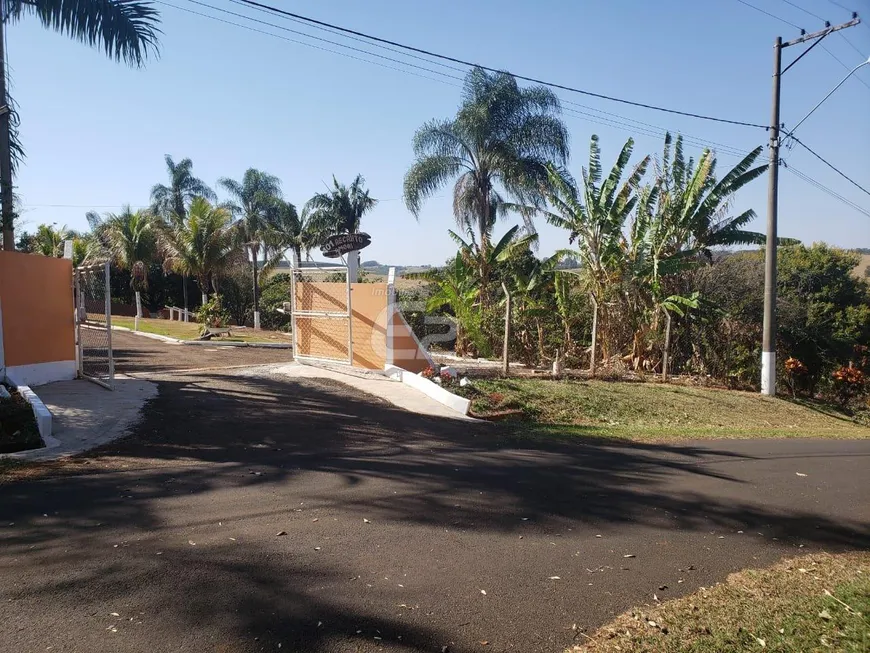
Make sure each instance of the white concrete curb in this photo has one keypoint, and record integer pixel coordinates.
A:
(427, 387)
(40, 412)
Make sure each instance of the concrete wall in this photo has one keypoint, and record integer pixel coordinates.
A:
(37, 321)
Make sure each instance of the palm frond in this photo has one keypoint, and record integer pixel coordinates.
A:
(124, 29)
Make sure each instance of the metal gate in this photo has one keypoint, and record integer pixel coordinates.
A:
(321, 314)
(94, 324)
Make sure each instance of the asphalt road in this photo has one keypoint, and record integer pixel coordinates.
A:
(253, 513)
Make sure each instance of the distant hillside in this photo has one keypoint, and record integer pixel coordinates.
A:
(374, 267)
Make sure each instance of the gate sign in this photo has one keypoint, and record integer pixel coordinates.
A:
(340, 244)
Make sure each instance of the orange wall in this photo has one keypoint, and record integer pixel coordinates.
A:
(406, 353)
(321, 337)
(369, 301)
(37, 302)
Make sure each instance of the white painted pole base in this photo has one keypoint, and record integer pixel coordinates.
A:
(138, 311)
(768, 373)
(256, 319)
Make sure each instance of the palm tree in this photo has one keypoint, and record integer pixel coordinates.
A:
(132, 244)
(171, 202)
(284, 230)
(125, 29)
(337, 211)
(500, 141)
(255, 201)
(201, 245)
(49, 240)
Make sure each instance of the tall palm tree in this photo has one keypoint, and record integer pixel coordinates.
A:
(499, 143)
(338, 211)
(171, 202)
(255, 201)
(132, 244)
(201, 245)
(124, 29)
(284, 230)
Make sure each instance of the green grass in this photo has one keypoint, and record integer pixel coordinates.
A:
(654, 411)
(190, 330)
(819, 602)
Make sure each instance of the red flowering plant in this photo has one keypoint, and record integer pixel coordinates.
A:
(795, 374)
(428, 373)
(848, 383)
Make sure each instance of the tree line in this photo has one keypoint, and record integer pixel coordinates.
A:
(648, 277)
(186, 231)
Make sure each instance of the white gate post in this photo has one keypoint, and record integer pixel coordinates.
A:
(109, 326)
(353, 266)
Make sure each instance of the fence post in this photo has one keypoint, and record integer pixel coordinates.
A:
(667, 352)
(506, 363)
(108, 292)
(594, 334)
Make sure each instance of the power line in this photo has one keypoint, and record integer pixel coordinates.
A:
(830, 165)
(843, 7)
(767, 13)
(608, 119)
(845, 65)
(347, 36)
(317, 38)
(289, 40)
(806, 11)
(783, 20)
(825, 189)
(852, 45)
(533, 80)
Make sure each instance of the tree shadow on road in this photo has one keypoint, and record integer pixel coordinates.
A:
(210, 434)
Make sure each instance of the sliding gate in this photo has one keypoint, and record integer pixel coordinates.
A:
(321, 315)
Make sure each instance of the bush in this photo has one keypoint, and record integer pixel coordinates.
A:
(274, 291)
(18, 429)
(212, 314)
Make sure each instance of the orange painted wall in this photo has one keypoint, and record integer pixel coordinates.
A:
(406, 352)
(37, 301)
(369, 301)
(322, 337)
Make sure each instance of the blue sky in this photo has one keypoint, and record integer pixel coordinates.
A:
(96, 132)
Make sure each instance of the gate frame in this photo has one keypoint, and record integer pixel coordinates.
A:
(81, 319)
(347, 315)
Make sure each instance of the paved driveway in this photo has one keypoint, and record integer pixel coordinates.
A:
(256, 513)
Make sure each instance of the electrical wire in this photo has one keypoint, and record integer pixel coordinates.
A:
(608, 119)
(311, 45)
(533, 80)
(830, 165)
(767, 13)
(843, 7)
(806, 11)
(806, 178)
(853, 46)
(845, 65)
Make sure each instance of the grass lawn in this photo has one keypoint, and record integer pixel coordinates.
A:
(190, 331)
(655, 411)
(819, 602)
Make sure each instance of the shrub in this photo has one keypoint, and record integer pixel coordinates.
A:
(848, 383)
(212, 314)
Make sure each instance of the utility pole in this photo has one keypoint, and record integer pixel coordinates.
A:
(768, 343)
(5, 145)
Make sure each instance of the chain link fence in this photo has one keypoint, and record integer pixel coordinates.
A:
(93, 318)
